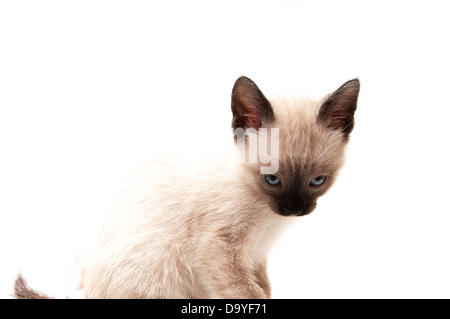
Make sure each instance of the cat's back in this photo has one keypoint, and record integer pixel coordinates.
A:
(150, 229)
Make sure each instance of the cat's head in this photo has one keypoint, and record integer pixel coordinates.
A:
(305, 138)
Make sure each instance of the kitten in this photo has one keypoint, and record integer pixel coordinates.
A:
(182, 229)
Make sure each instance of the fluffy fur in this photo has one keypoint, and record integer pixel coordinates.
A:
(196, 229)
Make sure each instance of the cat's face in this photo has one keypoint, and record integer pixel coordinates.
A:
(310, 156)
(312, 140)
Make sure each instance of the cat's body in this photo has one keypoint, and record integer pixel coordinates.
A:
(199, 229)
(181, 235)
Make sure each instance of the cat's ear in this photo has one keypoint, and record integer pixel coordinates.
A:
(250, 107)
(337, 111)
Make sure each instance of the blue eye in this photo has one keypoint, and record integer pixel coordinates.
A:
(319, 180)
(272, 180)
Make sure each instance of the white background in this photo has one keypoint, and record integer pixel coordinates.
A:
(89, 89)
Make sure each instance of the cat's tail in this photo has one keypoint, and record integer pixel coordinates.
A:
(23, 291)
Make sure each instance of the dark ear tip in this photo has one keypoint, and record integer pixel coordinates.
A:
(352, 87)
(338, 109)
(249, 105)
(243, 79)
(244, 83)
(353, 83)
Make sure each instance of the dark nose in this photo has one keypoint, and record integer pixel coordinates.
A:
(293, 212)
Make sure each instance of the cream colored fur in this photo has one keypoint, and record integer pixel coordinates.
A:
(187, 229)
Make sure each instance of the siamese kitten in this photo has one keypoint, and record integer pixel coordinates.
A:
(180, 230)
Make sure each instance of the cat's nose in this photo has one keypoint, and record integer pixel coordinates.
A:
(290, 212)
